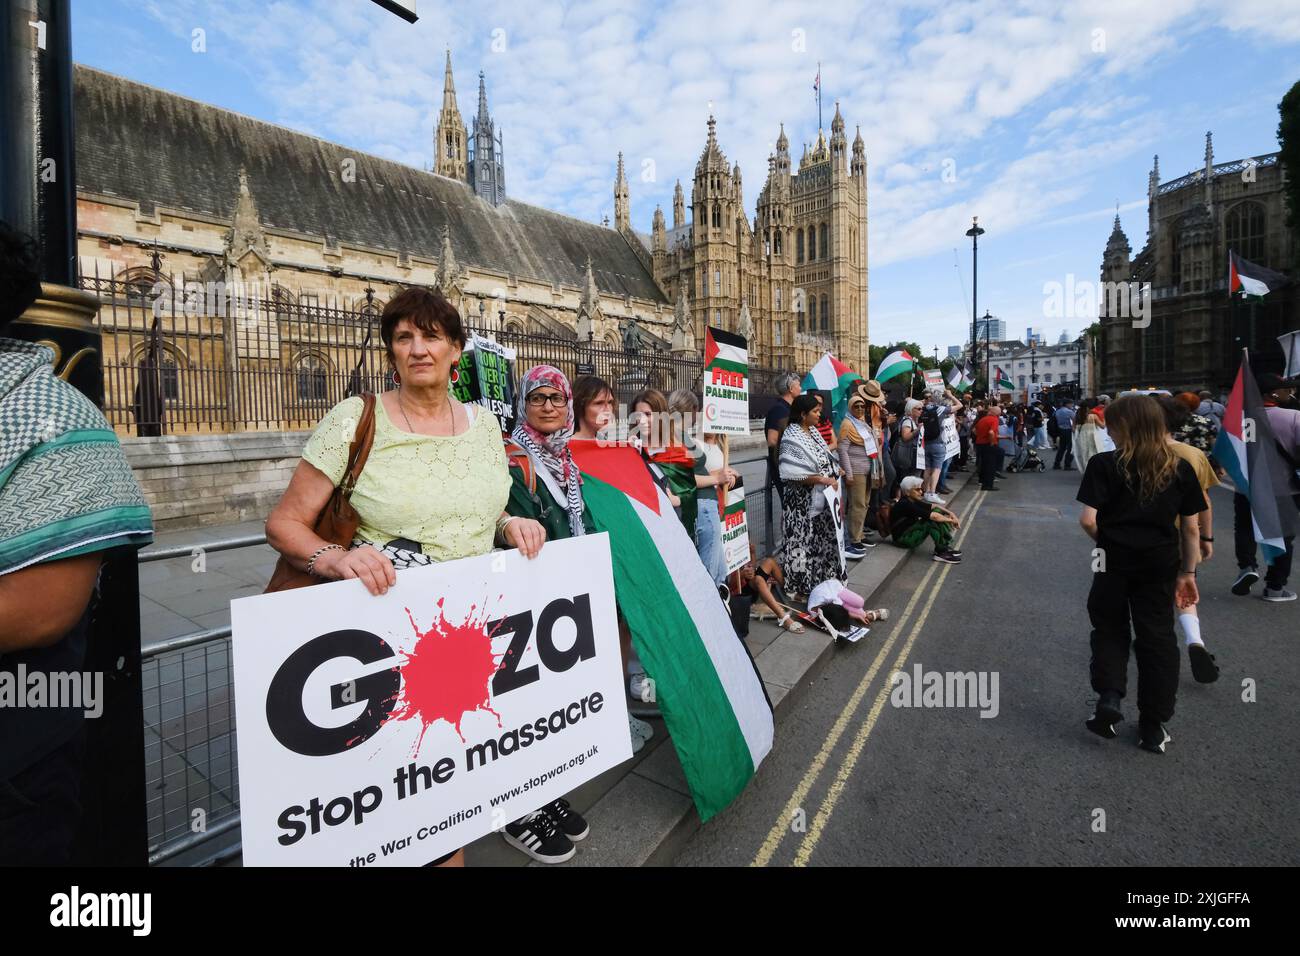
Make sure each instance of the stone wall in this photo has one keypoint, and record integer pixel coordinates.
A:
(193, 481)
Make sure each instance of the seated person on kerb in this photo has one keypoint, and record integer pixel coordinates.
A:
(914, 519)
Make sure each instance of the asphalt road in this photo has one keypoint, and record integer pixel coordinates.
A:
(855, 780)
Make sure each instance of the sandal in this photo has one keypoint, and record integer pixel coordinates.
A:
(786, 624)
(879, 614)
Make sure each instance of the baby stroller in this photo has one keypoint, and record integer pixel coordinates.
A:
(1025, 459)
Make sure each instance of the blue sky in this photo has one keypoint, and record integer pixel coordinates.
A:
(1043, 116)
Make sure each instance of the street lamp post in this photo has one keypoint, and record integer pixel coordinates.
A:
(1033, 367)
(974, 232)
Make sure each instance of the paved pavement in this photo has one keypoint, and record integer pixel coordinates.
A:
(855, 780)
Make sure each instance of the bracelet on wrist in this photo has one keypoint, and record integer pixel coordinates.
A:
(1211, 540)
(1192, 573)
(311, 562)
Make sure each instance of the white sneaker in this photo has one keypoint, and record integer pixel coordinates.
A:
(638, 688)
(1278, 596)
(933, 499)
(640, 732)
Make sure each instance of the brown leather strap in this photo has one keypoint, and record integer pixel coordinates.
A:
(362, 441)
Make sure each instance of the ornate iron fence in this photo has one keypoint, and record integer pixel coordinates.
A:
(182, 355)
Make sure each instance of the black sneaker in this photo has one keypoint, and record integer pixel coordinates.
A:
(1241, 586)
(1108, 714)
(947, 557)
(1203, 667)
(569, 819)
(1152, 736)
(538, 836)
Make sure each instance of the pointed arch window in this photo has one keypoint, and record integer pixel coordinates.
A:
(717, 281)
(312, 379)
(812, 243)
(826, 246)
(717, 215)
(798, 246)
(826, 315)
(1244, 232)
(776, 241)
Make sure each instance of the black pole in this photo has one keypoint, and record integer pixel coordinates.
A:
(974, 232)
(38, 196)
(38, 192)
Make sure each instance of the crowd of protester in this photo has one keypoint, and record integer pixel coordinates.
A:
(441, 481)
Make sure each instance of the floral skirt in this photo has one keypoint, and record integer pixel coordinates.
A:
(810, 552)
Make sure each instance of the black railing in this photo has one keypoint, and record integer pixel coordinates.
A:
(183, 356)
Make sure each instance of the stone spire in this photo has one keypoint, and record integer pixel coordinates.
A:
(1153, 201)
(487, 167)
(245, 233)
(450, 152)
(683, 326)
(448, 268)
(622, 201)
(859, 155)
(658, 235)
(679, 206)
(1209, 169)
(588, 307)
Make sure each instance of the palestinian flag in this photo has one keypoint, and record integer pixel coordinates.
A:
(708, 688)
(1249, 279)
(725, 350)
(958, 379)
(894, 364)
(1248, 451)
(834, 377)
(1002, 380)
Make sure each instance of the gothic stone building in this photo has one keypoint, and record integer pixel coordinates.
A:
(225, 197)
(794, 281)
(1196, 334)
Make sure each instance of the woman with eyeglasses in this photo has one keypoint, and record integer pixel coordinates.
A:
(545, 487)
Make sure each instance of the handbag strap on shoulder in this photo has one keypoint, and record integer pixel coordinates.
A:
(362, 441)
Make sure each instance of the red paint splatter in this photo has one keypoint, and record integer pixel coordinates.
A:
(447, 675)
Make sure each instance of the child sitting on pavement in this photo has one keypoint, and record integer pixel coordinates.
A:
(834, 592)
(913, 520)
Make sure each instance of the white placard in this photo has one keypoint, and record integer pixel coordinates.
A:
(390, 730)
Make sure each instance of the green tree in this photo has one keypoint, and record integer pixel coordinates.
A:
(1288, 140)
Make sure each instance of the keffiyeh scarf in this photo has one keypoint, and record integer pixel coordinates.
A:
(804, 454)
(65, 486)
(552, 451)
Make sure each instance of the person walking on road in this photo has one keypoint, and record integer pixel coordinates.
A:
(1064, 444)
(1189, 622)
(1143, 565)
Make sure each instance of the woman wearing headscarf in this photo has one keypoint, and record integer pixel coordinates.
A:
(545, 486)
(810, 553)
(857, 452)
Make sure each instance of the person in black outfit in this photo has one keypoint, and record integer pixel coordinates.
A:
(1143, 564)
(777, 418)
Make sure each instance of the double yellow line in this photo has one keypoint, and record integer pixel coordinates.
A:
(783, 824)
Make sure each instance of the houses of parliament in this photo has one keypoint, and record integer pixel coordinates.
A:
(225, 195)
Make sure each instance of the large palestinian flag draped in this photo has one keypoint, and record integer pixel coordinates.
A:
(1248, 451)
(707, 687)
(1249, 279)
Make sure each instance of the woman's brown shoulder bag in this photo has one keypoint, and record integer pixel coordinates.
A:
(338, 520)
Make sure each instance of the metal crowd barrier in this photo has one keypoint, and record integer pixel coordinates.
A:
(192, 778)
